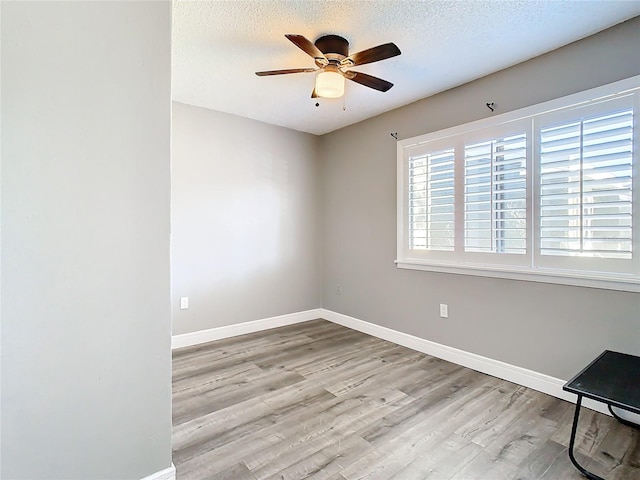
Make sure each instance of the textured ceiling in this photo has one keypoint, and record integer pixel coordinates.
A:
(218, 45)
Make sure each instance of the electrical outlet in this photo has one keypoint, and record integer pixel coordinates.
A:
(184, 303)
(338, 289)
(444, 310)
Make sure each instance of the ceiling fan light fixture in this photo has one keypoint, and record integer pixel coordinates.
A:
(333, 62)
(329, 84)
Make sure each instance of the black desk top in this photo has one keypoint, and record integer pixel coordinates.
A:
(612, 378)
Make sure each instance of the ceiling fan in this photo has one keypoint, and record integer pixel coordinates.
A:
(333, 64)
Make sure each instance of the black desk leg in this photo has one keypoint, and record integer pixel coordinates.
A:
(574, 429)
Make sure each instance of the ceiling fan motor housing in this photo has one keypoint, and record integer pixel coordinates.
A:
(333, 44)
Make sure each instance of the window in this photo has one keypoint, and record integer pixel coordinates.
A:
(548, 193)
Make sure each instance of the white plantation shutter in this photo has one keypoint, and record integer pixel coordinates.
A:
(431, 201)
(495, 195)
(548, 193)
(586, 187)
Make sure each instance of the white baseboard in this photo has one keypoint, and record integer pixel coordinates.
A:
(218, 333)
(168, 473)
(512, 373)
(522, 376)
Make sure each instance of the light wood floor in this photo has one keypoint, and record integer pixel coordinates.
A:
(319, 401)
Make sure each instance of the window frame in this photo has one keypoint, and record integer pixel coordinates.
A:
(496, 264)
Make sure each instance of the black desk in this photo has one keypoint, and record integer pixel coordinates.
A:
(612, 378)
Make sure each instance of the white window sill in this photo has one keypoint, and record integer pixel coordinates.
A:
(577, 279)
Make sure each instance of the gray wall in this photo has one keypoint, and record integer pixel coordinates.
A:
(86, 380)
(244, 238)
(547, 328)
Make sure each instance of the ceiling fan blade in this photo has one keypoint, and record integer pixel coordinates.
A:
(375, 54)
(369, 81)
(283, 72)
(306, 46)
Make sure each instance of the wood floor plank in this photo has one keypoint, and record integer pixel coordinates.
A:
(374, 464)
(342, 452)
(439, 406)
(219, 428)
(304, 439)
(483, 467)
(524, 435)
(620, 443)
(319, 401)
(515, 403)
(201, 382)
(235, 472)
(441, 461)
(333, 359)
(305, 468)
(211, 397)
(422, 438)
(551, 461)
(214, 462)
(593, 427)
